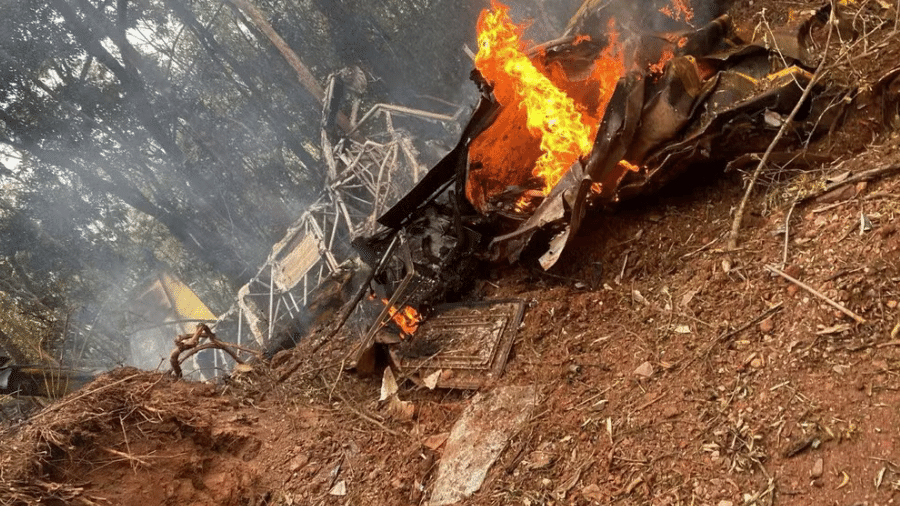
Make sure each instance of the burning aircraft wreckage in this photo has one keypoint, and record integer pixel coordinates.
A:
(602, 114)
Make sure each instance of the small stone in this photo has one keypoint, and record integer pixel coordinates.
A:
(766, 325)
(892, 304)
(644, 370)
(792, 290)
(723, 502)
(671, 411)
(339, 489)
(298, 462)
(538, 460)
(757, 363)
(818, 469)
(592, 492)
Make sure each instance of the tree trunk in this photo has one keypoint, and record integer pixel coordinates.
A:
(303, 74)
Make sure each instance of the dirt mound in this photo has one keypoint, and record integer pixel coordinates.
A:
(96, 446)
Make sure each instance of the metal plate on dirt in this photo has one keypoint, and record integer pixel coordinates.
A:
(463, 345)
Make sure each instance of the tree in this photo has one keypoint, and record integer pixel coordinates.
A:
(177, 123)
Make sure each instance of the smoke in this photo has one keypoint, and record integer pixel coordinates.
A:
(196, 158)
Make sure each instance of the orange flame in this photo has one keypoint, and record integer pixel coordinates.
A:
(518, 83)
(679, 10)
(658, 67)
(549, 117)
(407, 319)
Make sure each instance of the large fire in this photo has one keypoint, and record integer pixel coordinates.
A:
(559, 129)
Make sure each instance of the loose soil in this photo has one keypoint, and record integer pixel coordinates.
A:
(672, 372)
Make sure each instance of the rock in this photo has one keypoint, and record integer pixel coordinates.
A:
(539, 460)
(478, 438)
(644, 370)
(436, 441)
(793, 271)
(592, 493)
(818, 469)
(766, 325)
(298, 462)
(723, 502)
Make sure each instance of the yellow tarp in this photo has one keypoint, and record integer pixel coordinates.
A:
(185, 302)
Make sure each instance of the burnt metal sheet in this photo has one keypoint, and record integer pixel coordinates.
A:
(409, 286)
(441, 177)
(466, 345)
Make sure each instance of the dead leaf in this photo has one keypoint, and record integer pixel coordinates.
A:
(644, 370)
(682, 329)
(837, 329)
(688, 297)
(839, 178)
(339, 489)
(243, 368)
(633, 485)
(640, 298)
(401, 410)
(538, 460)
(388, 384)
(436, 441)
(431, 380)
(845, 480)
(880, 478)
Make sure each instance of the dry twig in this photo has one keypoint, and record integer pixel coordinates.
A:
(820, 295)
(739, 215)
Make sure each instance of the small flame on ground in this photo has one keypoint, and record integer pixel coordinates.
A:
(407, 319)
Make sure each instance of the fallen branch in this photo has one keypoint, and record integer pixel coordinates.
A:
(190, 343)
(866, 175)
(739, 215)
(820, 295)
(726, 337)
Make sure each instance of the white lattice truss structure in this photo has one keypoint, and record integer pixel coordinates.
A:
(366, 177)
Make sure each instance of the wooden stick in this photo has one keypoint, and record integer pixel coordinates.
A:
(787, 234)
(820, 295)
(867, 175)
(739, 215)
